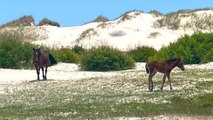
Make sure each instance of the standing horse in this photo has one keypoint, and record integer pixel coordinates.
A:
(41, 61)
(163, 67)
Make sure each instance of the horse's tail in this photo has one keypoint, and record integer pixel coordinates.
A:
(52, 60)
(147, 68)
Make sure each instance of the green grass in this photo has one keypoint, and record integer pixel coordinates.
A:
(104, 97)
(201, 105)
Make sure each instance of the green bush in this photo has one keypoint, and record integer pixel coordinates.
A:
(15, 54)
(208, 56)
(193, 49)
(141, 54)
(78, 49)
(65, 55)
(105, 58)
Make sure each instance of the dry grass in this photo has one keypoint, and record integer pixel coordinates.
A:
(87, 34)
(27, 33)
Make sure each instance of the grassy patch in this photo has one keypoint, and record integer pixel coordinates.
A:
(124, 94)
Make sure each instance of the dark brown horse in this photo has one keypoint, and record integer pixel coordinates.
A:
(42, 59)
(163, 67)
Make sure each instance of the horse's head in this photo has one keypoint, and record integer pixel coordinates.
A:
(36, 54)
(180, 64)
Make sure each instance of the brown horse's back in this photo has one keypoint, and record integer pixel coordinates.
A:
(155, 65)
(44, 60)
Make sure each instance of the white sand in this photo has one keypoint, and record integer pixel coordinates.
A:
(65, 71)
(61, 71)
(124, 35)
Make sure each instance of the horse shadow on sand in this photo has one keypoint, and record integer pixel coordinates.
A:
(34, 81)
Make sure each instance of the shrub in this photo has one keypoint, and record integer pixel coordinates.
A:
(100, 19)
(141, 54)
(23, 21)
(156, 13)
(105, 58)
(208, 56)
(78, 49)
(15, 54)
(46, 21)
(193, 49)
(65, 55)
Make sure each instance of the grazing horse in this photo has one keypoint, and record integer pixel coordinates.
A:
(163, 67)
(42, 59)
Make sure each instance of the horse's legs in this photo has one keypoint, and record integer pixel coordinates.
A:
(45, 73)
(38, 72)
(42, 68)
(168, 76)
(164, 78)
(150, 80)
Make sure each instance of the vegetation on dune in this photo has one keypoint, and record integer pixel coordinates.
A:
(22, 33)
(87, 34)
(127, 15)
(101, 19)
(29, 21)
(197, 22)
(156, 13)
(46, 21)
(23, 21)
(22, 29)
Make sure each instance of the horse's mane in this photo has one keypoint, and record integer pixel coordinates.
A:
(172, 60)
(41, 50)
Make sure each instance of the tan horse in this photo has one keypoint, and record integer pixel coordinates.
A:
(164, 67)
(41, 61)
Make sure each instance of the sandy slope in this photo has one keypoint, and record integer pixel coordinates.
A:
(138, 30)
